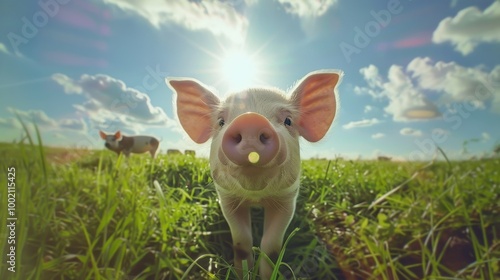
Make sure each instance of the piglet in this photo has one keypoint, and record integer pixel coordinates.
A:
(255, 155)
(120, 143)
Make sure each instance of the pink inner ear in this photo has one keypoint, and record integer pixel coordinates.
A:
(194, 108)
(315, 97)
(118, 135)
(102, 134)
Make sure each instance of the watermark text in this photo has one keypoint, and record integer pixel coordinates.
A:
(11, 219)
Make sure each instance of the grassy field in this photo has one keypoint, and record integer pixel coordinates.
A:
(91, 215)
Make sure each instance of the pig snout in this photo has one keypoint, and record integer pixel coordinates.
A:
(250, 139)
(107, 145)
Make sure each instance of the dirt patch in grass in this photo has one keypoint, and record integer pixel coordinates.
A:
(65, 155)
(453, 249)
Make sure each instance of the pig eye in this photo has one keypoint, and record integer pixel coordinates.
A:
(288, 121)
(221, 122)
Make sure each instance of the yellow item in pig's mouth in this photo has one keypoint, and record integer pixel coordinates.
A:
(253, 157)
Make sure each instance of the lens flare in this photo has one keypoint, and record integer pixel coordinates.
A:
(238, 70)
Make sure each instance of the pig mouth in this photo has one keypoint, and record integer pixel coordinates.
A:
(252, 166)
(250, 178)
(252, 171)
(236, 179)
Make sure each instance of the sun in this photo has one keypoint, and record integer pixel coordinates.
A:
(238, 69)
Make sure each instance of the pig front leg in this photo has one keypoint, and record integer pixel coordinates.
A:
(152, 152)
(277, 216)
(237, 214)
(126, 153)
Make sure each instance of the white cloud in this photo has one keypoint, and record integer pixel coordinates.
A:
(111, 104)
(371, 75)
(221, 18)
(406, 101)
(410, 132)
(406, 90)
(43, 121)
(307, 8)
(378, 135)
(39, 117)
(361, 123)
(9, 123)
(73, 124)
(69, 86)
(3, 48)
(486, 136)
(440, 131)
(454, 3)
(470, 27)
(457, 83)
(368, 108)
(59, 136)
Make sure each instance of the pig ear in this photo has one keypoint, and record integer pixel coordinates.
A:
(194, 103)
(315, 96)
(118, 135)
(102, 134)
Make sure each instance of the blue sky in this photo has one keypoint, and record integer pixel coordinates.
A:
(417, 73)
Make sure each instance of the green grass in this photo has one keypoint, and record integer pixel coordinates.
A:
(97, 216)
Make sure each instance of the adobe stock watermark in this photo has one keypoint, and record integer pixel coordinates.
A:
(460, 112)
(10, 204)
(39, 19)
(362, 37)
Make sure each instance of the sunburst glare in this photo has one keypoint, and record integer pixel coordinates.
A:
(238, 70)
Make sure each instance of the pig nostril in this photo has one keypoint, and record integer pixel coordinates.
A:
(263, 138)
(237, 138)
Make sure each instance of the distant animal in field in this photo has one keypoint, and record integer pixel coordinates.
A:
(384, 158)
(173, 152)
(138, 144)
